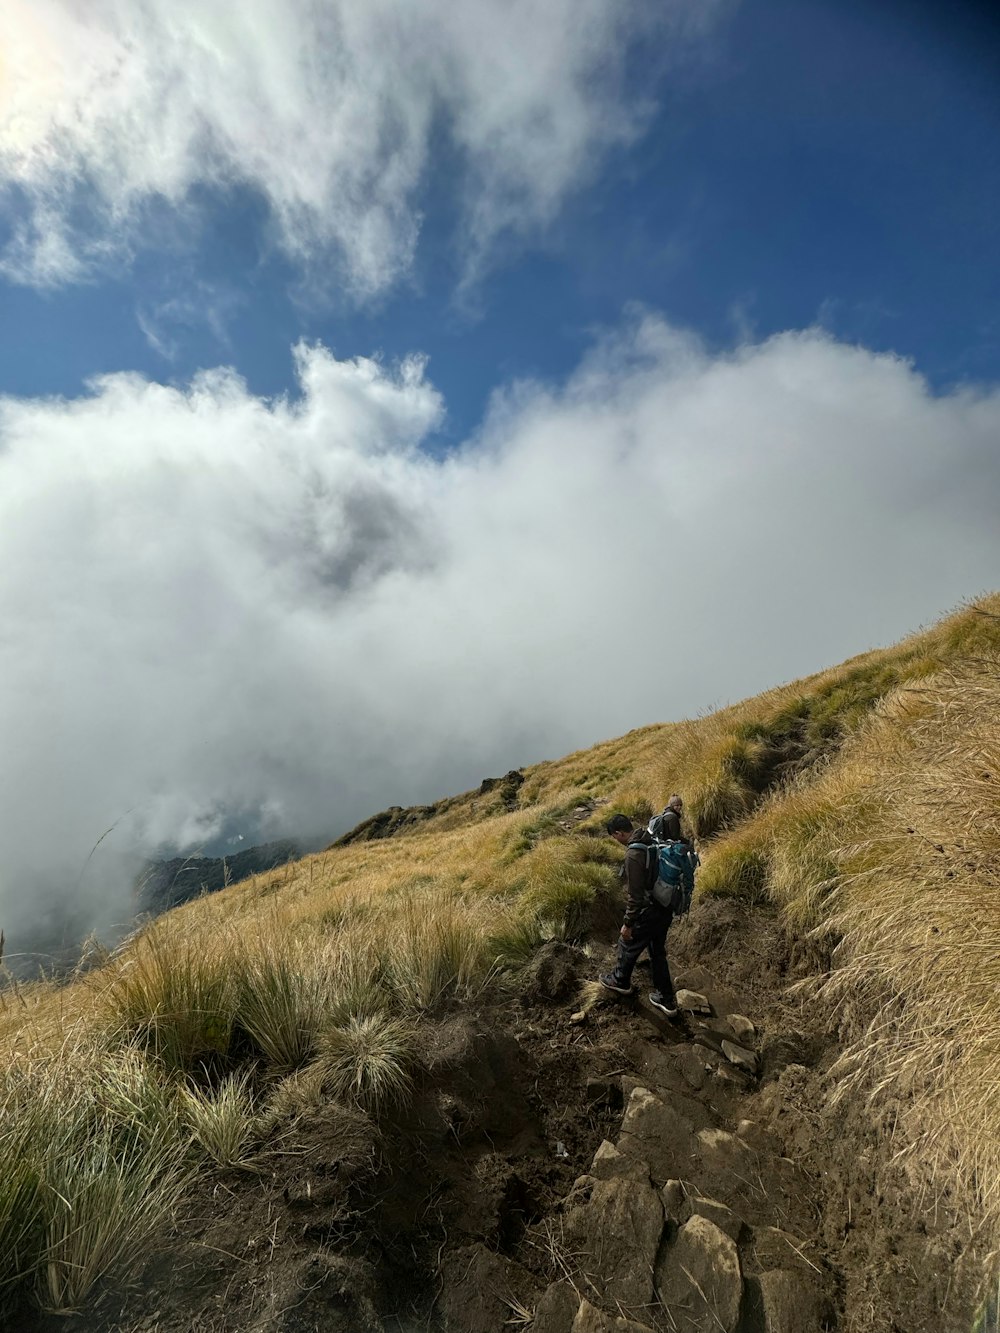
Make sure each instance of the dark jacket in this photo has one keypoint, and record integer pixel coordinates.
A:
(639, 875)
(667, 827)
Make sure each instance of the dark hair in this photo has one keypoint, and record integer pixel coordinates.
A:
(619, 824)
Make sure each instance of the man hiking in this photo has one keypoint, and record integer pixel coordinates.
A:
(646, 922)
(667, 827)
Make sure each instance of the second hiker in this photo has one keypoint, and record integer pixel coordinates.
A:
(667, 827)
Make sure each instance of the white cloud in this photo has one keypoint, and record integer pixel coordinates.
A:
(206, 305)
(214, 604)
(328, 108)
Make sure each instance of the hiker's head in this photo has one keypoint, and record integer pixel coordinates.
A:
(620, 828)
(675, 803)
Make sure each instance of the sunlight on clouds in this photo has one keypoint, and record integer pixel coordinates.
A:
(286, 610)
(326, 109)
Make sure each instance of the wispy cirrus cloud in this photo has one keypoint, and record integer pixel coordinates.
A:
(165, 321)
(327, 109)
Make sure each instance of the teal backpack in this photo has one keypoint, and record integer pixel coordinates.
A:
(676, 863)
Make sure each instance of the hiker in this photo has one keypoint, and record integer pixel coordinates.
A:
(646, 922)
(667, 827)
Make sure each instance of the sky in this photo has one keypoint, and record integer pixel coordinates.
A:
(394, 394)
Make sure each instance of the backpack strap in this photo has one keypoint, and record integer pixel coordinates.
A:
(652, 853)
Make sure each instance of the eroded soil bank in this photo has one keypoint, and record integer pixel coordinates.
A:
(615, 1173)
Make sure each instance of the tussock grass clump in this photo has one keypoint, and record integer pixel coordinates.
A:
(222, 1120)
(439, 948)
(172, 995)
(104, 1193)
(738, 867)
(92, 1160)
(369, 1061)
(279, 993)
(561, 884)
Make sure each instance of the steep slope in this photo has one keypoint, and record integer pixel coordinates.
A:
(851, 817)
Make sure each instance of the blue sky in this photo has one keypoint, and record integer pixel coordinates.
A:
(832, 163)
(543, 316)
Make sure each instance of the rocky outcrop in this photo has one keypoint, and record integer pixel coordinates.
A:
(507, 787)
(388, 823)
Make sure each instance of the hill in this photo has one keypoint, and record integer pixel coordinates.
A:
(367, 1088)
(166, 884)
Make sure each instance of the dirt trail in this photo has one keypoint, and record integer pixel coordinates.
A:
(619, 1173)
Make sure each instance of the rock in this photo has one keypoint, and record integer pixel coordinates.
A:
(699, 1279)
(657, 1133)
(609, 1163)
(740, 1056)
(507, 787)
(692, 1067)
(724, 1218)
(674, 1200)
(719, 1143)
(556, 1310)
(591, 1320)
(741, 1028)
(792, 1304)
(738, 1078)
(615, 1238)
(693, 1002)
(580, 1192)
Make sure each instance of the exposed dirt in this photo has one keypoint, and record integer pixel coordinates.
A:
(485, 1205)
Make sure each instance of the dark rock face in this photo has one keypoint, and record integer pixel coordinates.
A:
(506, 787)
(166, 884)
(400, 818)
(387, 823)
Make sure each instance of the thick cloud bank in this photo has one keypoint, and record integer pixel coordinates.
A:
(327, 108)
(216, 607)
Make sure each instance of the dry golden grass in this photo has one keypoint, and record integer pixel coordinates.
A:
(805, 794)
(222, 1120)
(917, 902)
(891, 853)
(94, 1158)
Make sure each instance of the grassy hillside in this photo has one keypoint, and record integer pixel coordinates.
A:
(864, 800)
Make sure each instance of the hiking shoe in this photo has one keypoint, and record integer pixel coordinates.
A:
(658, 1002)
(609, 983)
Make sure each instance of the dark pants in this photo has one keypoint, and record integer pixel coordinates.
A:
(649, 931)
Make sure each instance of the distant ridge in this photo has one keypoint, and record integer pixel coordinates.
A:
(166, 884)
